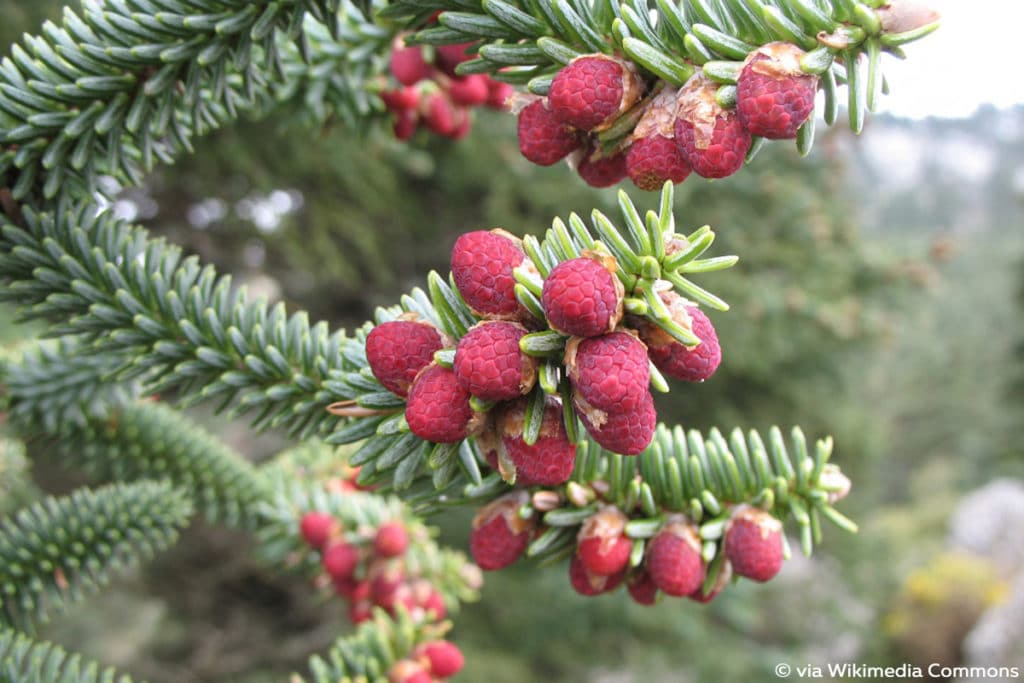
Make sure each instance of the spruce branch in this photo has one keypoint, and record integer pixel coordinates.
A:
(25, 659)
(61, 549)
(123, 85)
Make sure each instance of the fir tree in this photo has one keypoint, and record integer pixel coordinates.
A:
(120, 87)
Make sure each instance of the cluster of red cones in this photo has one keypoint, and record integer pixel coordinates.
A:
(483, 393)
(368, 568)
(430, 94)
(677, 130)
(672, 561)
(430, 662)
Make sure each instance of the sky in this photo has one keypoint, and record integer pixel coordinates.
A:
(972, 59)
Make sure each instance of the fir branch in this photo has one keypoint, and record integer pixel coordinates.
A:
(16, 485)
(203, 339)
(59, 385)
(181, 322)
(152, 440)
(526, 42)
(63, 392)
(206, 340)
(369, 653)
(25, 659)
(704, 477)
(62, 549)
(336, 76)
(124, 85)
(302, 485)
(396, 458)
(140, 298)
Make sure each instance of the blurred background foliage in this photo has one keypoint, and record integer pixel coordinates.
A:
(878, 298)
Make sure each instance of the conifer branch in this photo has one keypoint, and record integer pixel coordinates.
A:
(337, 76)
(140, 298)
(25, 659)
(366, 655)
(64, 393)
(703, 476)
(303, 482)
(526, 43)
(61, 549)
(369, 653)
(60, 385)
(16, 485)
(122, 86)
(126, 84)
(152, 440)
(226, 348)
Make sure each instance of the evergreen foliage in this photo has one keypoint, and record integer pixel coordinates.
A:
(16, 486)
(313, 477)
(153, 441)
(124, 85)
(334, 75)
(62, 549)
(527, 42)
(99, 94)
(177, 319)
(24, 660)
(367, 654)
(61, 386)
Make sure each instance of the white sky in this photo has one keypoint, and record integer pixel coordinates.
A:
(973, 58)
